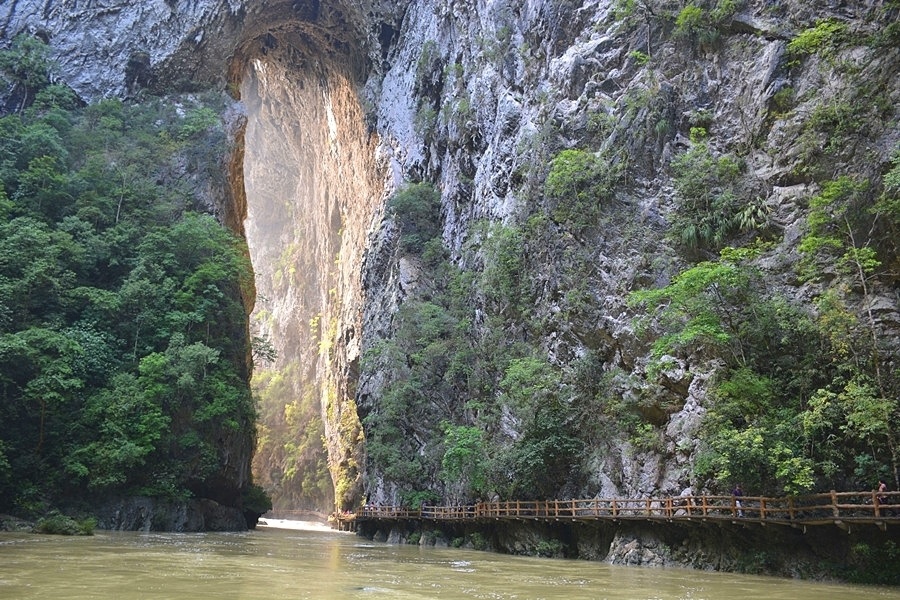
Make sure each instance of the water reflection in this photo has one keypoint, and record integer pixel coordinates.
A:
(297, 563)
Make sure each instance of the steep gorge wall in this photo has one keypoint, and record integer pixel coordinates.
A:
(480, 96)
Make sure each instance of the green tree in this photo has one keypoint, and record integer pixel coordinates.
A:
(840, 228)
(128, 427)
(417, 210)
(123, 341)
(27, 67)
(705, 307)
(708, 206)
(771, 363)
(464, 464)
(579, 184)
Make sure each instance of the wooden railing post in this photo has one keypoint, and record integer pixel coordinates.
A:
(614, 508)
(791, 510)
(876, 505)
(705, 507)
(762, 509)
(834, 504)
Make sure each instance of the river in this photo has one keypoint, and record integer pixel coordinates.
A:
(313, 562)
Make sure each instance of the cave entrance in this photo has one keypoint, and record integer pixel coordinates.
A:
(314, 187)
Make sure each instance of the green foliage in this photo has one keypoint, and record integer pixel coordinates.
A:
(835, 217)
(501, 281)
(60, 524)
(783, 100)
(708, 205)
(27, 67)
(255, 500)
(752, 438)
(704, 26)
(823, 38)
(578, 184)
(887, 211)
(419, 498)
(129, 425)
(541, 459)
(873, 564)
(800, 401)
(448, 377)
(478, 541)
(704, 307)
(196, 121)
(550, 548)
(690, 20)
(417, 210)
(464, 459)
(529, 383)
(123, 341)
(428, 60)
(641, 58)
(425, 121)
(886, 37)
(830, 127)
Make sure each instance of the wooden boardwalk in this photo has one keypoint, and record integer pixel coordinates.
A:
(832, 508)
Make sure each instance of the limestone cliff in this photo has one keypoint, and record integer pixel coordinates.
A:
(347, 101)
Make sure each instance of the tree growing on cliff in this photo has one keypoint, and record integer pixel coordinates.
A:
(26, 67)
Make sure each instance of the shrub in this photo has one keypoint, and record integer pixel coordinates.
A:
(783, 101)
(478, 541)
(59, 524)
(417, 210)
(549, 548)
(256, 500)
(690, 20)
(823, 38)
(641, 58)
(707, 204)
(578, 183)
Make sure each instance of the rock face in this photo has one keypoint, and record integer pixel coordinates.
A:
(145, 514)
(345, 101)
(314, 181)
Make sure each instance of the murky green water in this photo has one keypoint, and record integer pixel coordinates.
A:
(280, 563)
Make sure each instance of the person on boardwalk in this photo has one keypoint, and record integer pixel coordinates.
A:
(738, 494)
(882, 488)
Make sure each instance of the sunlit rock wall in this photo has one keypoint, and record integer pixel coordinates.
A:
(314, 186)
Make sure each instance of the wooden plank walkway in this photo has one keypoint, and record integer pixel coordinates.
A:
(832, 508)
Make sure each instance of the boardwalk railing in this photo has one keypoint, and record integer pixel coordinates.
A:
(830, 507)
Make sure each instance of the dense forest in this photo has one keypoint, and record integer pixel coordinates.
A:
(124, 354)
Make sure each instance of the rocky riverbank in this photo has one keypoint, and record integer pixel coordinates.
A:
(818, 553)
(148, 514)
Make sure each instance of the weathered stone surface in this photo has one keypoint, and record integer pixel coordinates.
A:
(10, 523)
(145, 514)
